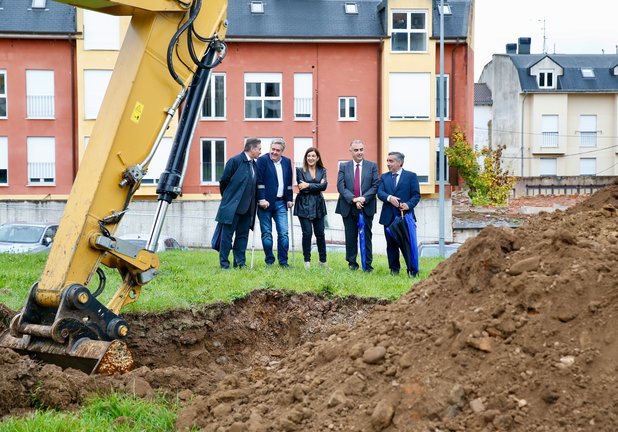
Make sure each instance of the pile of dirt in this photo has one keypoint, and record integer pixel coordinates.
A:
(515, 332)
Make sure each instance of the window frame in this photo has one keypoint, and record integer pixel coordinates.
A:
(409, 31)
(4, 159)
(555, 166)
(4, 95)
(47, 98)
(587, 160)
(300, 90)
(47, 181)
(213, 100)
(417, 159)
(403, 107)
(213, 153)
(550, 138)
(261, 79)
(447, 99)
(543, 76)
(346, 108)
(588, 138)
(157, 161)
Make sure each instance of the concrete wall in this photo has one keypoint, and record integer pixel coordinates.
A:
(193, 222)
(560, 185)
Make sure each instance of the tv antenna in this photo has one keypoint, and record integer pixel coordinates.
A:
(544, 36)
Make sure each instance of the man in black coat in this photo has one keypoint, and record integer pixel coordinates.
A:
(400, 191)
(236, 214)
(357, 184)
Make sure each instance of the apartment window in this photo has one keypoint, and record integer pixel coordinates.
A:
(409, 96)
(39, 4)
(257, 7)
(263, 96)
(3, 99)
(303, 96)
(159, 162)
(41, 160)
(95, 86)
(446, 145)
(587, 72)
(40, 94)
(300, 147)
(549, 131)
(351, 8)
(409, 31)
(446, 96)
(417, 155)
(101, 31)
(588, 130)
(546, 78)
(213, 159)
(347, 108)
(548, 167)
(214, 101)
(4, 160)
(587, 166)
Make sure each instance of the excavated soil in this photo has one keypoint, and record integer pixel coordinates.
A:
(518, 331)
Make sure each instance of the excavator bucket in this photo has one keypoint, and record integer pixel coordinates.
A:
(88, 355)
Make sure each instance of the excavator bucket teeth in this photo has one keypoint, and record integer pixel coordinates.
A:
(88, 355)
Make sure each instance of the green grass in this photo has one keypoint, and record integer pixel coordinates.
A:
(114, 412)
(189, 278)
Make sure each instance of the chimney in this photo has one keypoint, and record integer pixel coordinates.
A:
(511, 48)
(524, 45)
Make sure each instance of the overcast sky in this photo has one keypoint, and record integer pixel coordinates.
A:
(570, 27)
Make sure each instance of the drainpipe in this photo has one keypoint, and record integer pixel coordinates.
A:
(380, 83)
(522, 134)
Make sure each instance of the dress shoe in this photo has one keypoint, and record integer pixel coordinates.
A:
(394, 272)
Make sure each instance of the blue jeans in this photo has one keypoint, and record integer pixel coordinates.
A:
(278, 212)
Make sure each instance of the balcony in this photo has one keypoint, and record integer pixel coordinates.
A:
(40, 107)
(549, 143)
(303, 108)
(41, 172)
(588, 139)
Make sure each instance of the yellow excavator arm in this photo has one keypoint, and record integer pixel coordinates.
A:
(164, 63)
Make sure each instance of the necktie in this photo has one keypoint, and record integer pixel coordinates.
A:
(357, 181)
(395, 181)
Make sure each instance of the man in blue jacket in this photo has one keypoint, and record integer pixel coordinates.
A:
(275, 197)
(236, 214)
(400, 191)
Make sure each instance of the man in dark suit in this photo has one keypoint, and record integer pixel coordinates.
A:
(236, 214)
(357, 184)
(275, 197)
(400, 191)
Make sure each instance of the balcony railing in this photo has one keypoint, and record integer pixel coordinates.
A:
(303, 107)
(588, 139)
(550, 140)
(41, 172)
(40, 106)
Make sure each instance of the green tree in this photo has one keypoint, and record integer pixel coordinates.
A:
(489, 184)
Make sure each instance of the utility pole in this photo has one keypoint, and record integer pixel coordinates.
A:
(441, 167)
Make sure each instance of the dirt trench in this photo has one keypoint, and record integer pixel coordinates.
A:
(518, 331)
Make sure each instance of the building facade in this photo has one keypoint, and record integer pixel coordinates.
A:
(37, 60)
(557, 114)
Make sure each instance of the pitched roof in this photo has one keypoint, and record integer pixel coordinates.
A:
(305, 19)
(457, 24)
(482, 94)
(19, 18)
(572, 80)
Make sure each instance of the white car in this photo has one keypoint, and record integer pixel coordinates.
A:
(26, 237)
(165, 243)
(432, 250)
